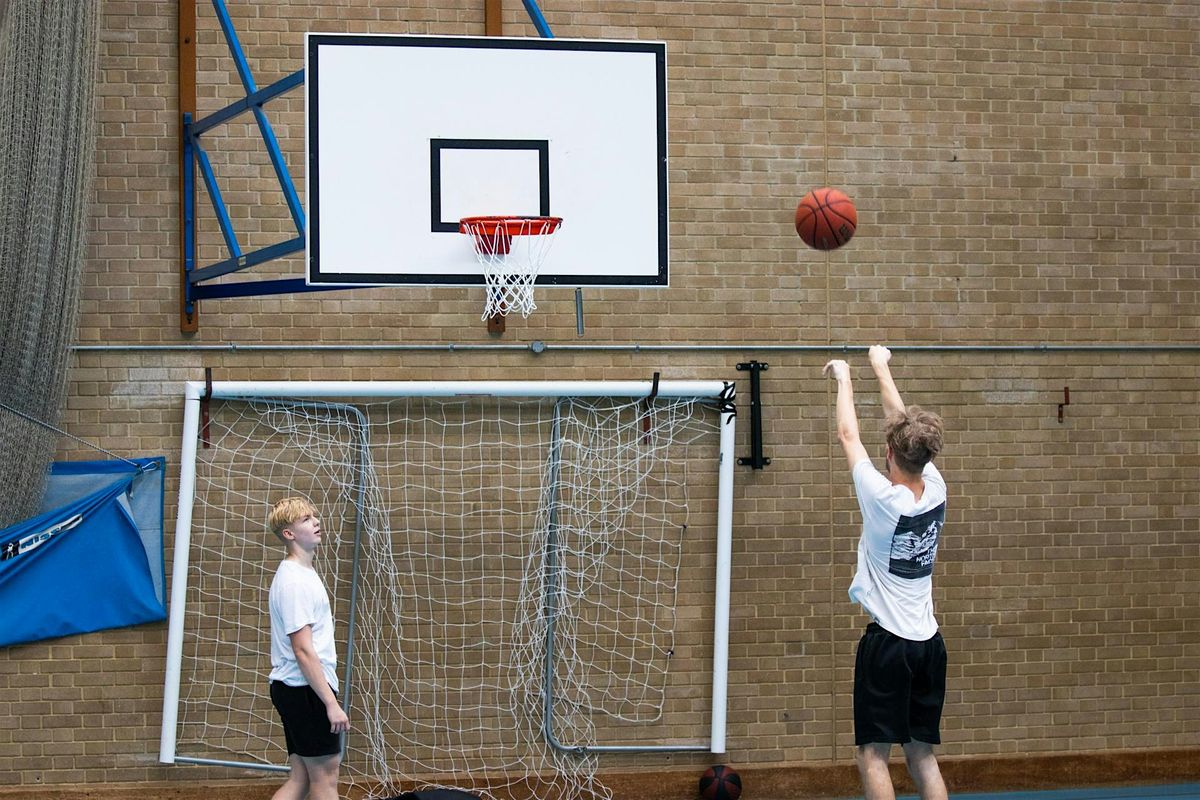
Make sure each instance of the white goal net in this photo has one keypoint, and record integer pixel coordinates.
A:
(505, 562)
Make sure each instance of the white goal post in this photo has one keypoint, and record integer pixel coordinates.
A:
(585, 485)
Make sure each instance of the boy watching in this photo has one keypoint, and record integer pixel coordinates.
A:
(303, 658)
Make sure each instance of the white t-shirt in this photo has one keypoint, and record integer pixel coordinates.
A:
(298, 598)
(897, 550)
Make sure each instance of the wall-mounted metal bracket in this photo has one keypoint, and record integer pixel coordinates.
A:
(755, 460)
(195, 158)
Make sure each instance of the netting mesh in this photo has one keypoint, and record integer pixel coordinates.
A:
(47, 119)
(510, 250)
(480, 524)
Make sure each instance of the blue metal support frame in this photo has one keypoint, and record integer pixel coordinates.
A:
(194, 155)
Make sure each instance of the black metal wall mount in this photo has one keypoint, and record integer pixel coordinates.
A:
(755, 460)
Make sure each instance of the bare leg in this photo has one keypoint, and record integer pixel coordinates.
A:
(923, 766)
(296, 786)
(872, 760)
(323, 777)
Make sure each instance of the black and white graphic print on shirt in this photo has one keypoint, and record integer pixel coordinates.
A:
(915, 542)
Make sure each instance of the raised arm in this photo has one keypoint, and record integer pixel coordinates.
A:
(847, 420)
(879, 357)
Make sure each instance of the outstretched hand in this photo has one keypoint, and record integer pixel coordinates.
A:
(878, 354)
(837, 369)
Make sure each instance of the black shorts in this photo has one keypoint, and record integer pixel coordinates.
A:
(305, 722)
(899, 688)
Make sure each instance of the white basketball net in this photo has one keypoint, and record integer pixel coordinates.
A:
(511, 251)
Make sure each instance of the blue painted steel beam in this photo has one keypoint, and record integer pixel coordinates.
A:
(257, 288)
(241, 262)
(235, 46)
(189, 215)
(539, 22)
(218, 202)
(250, 101)
(281, 170)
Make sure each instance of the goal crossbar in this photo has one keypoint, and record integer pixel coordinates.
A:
(324, 390)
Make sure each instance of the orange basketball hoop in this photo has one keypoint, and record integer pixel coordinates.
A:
(511, 251)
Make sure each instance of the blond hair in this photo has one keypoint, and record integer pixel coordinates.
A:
(286, 511)
(915, 438)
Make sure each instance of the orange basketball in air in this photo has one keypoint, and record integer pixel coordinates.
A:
(826, 219)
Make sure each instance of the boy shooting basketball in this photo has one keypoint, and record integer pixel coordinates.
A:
(303, 659)
(900, 666)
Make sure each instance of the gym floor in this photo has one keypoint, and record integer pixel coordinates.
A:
(1178, 791)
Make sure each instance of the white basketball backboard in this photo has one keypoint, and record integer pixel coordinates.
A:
(408, 134)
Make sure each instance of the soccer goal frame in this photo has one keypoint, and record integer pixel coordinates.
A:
(342, 394)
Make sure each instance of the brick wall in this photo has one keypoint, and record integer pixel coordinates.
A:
(1025, 173)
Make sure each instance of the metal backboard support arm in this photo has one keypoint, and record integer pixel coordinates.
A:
(192, 155)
